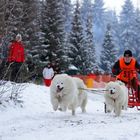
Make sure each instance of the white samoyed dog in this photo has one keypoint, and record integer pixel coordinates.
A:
(116, 97)
(67, 92)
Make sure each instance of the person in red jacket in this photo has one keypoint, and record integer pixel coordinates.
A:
(16, 57)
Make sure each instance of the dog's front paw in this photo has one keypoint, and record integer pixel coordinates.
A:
(55, 108)
(108, 111)
(83, 110)
(73, 112)
(124, 108)
(60, 109)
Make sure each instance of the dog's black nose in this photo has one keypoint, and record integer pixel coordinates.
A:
(58, 86)
(111, 92)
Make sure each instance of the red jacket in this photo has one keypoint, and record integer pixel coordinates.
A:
(16, 52)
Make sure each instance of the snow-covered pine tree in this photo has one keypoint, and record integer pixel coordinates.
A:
(77, 41)
(2, 16)
(90, 61)
(14, 17)
(115, 30)
(54, 34)
(127, 33)
(43, 50)
(99, 22)
(109, 53)
(31, 27)
(67, 12)
(36, 39)
(85, 10)
(137, 34)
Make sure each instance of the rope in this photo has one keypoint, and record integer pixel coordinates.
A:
(95, 91)
(91, 89)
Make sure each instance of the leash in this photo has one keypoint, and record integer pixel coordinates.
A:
(94, 91)
(91, 89)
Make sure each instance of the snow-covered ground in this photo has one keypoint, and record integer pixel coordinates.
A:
(36, 120)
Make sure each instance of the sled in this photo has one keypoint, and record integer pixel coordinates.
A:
(133, 95)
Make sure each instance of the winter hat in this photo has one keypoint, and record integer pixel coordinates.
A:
(18, 36)
(128, 53)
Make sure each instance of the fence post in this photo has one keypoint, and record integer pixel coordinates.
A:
(90, 81)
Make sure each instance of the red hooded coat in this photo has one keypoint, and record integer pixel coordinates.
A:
(16, 52)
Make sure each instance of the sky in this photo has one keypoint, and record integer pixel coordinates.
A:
(36, 120)
(117, 4)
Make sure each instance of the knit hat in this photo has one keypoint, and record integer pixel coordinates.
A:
(18, 36)
(128, 53)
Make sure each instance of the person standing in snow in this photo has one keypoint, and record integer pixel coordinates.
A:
(16, 57)
(48, 74)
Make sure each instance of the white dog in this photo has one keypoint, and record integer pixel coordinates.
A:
(116, 97)
(66, 93)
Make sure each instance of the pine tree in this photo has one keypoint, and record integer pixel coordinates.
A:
(127, 33)
(67, 12)
(36, 40)
(43, 50)
(137, 35)
(77, 41)
(99, 18)
(4, 39)
(2, 16)
(90, 62)
(54, 34)
(115, 30)
(109, 53)
(85, 10)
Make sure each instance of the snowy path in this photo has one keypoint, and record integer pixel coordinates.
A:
(37, 121)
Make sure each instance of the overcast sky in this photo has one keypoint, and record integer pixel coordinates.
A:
(117, 4)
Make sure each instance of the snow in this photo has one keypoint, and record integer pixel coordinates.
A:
(72, 67)
(36, 120)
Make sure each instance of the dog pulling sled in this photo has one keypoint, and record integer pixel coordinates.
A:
(133, 95)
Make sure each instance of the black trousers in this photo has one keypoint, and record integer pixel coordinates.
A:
(15, 71)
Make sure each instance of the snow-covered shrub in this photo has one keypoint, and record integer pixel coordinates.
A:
(11, 93)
